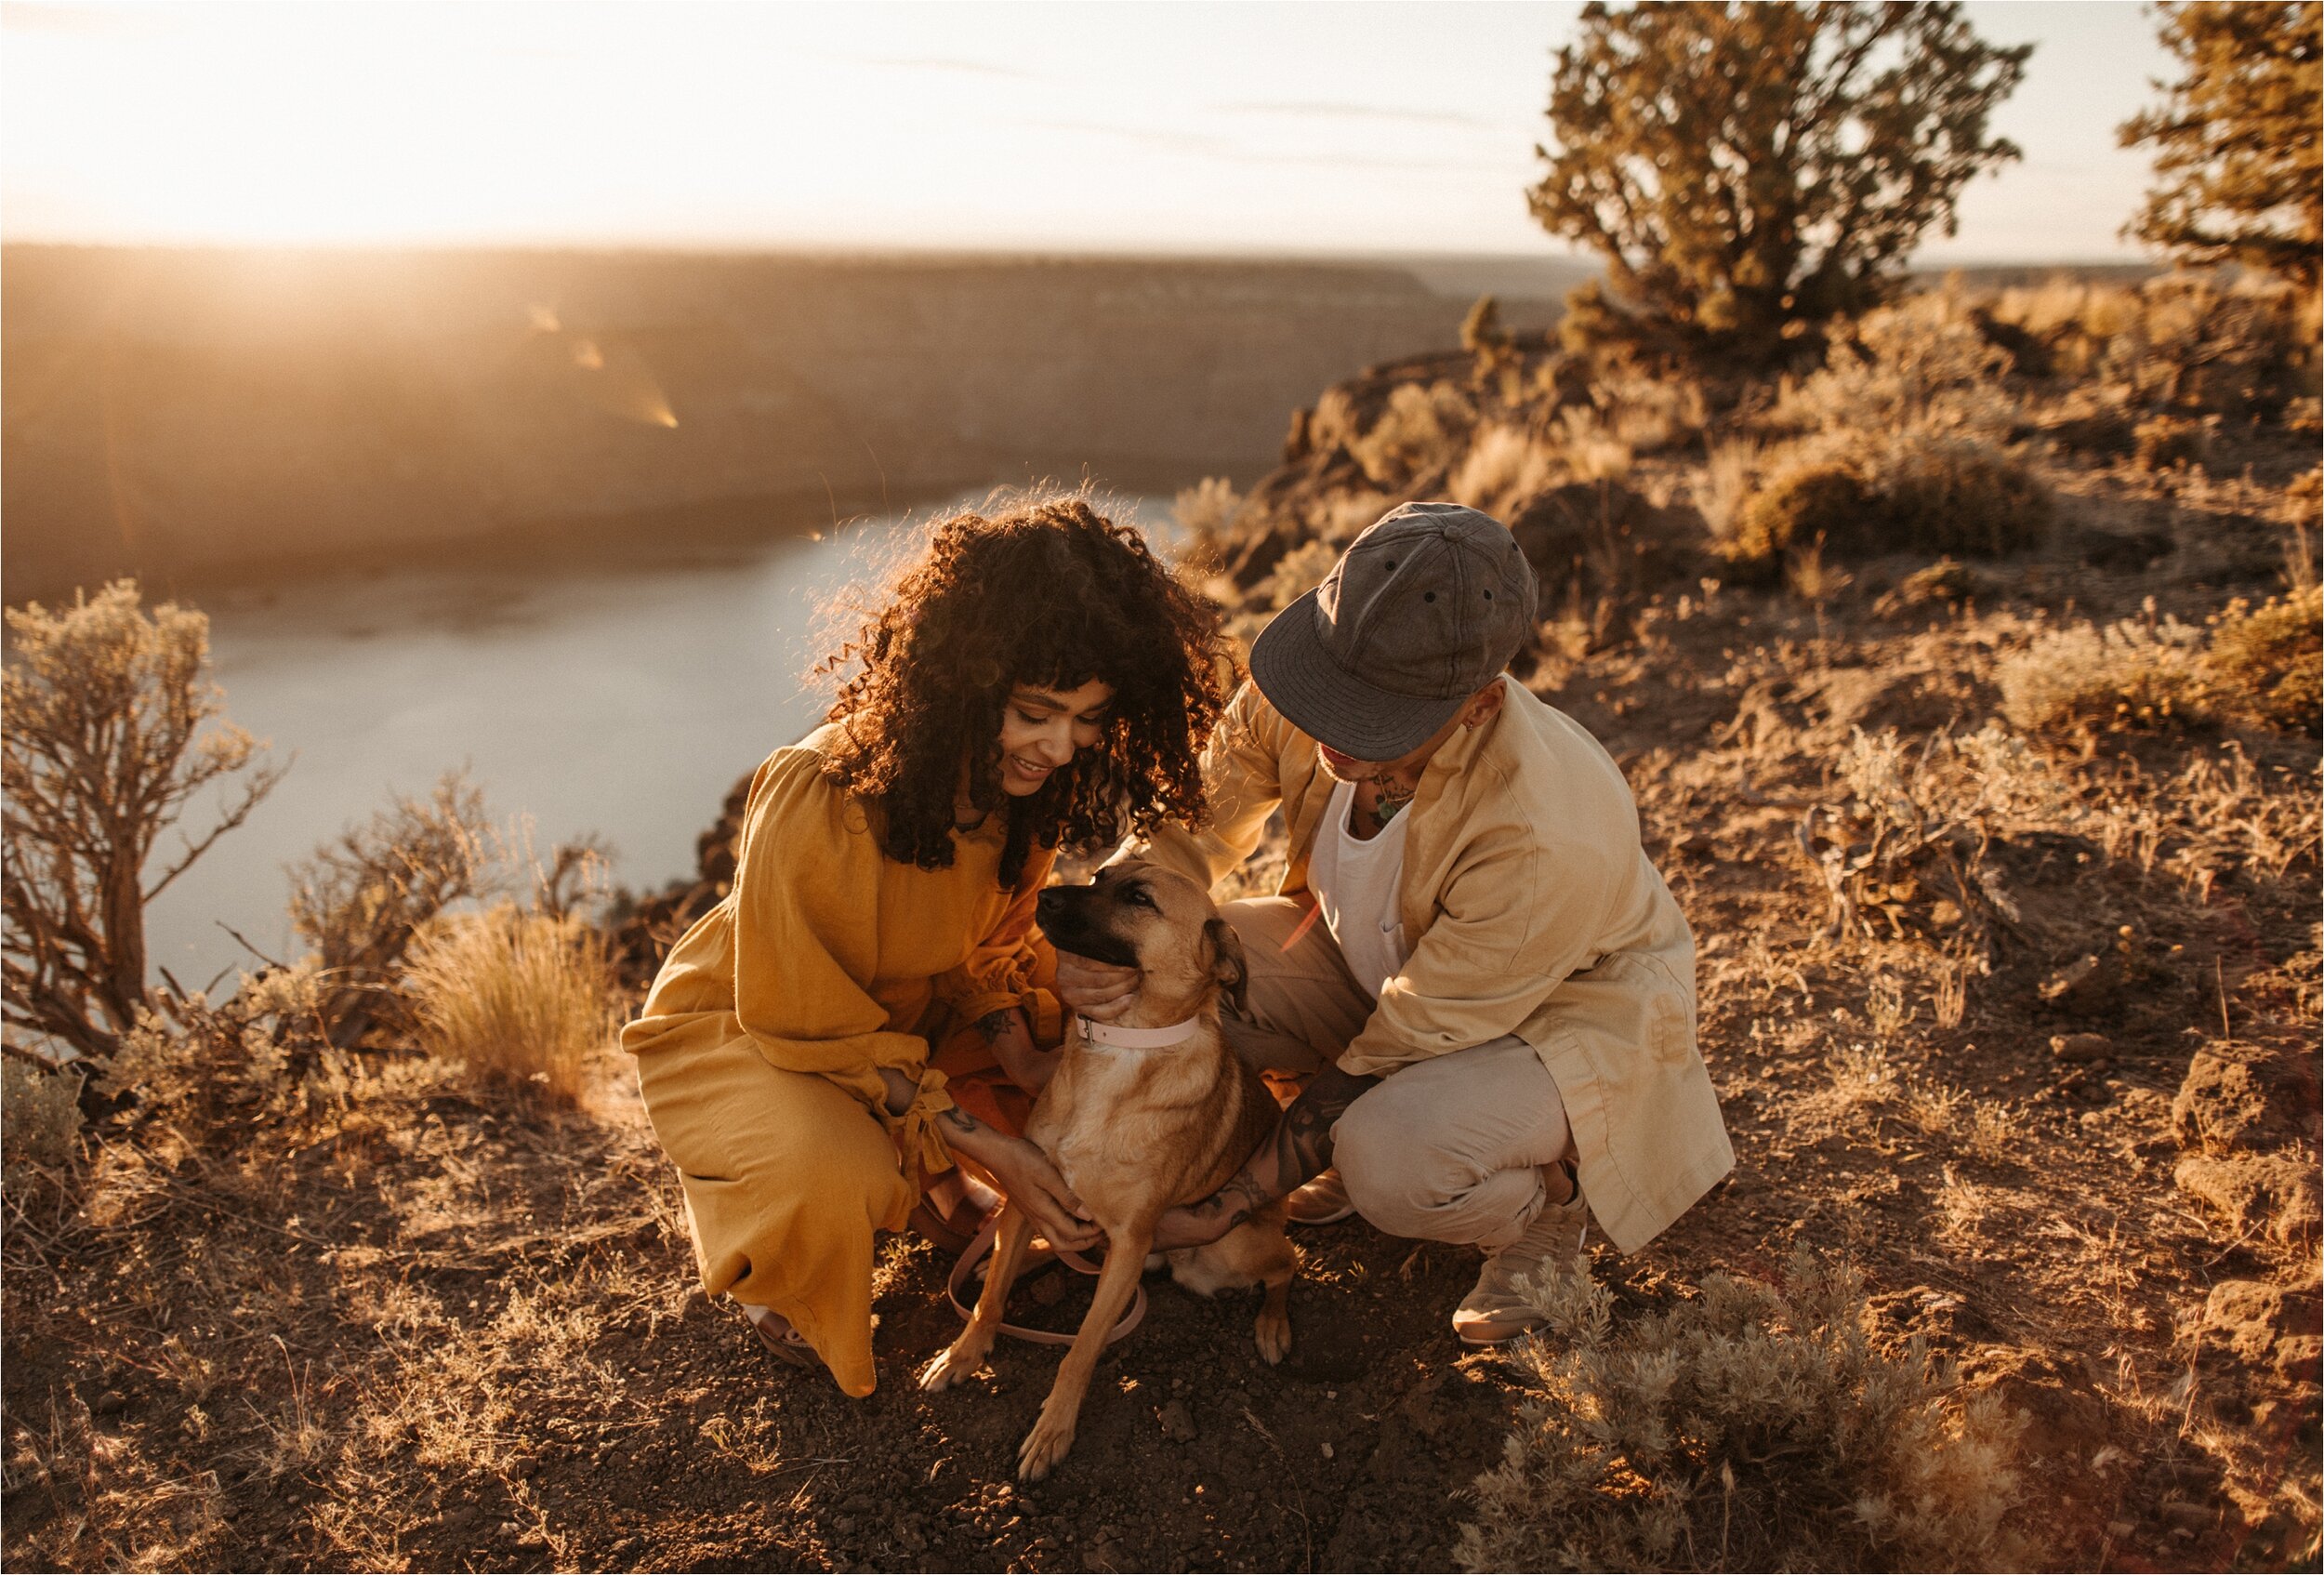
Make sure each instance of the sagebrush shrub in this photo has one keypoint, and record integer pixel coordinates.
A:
(1422, 425)
(1504, 466)
(2137, 675)
(1204, 511)
(523, 1000)
(2267, 663)
(1805, 501)
(1752, 1427)
(1955, 493)
(1921, 366)
(40, 1115)
(1932, 492)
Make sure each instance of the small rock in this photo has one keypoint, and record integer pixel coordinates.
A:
(2236, 1096)
(1176, 1425)
(2080, 1047)
(2079, 986)
(2275, 1191)
(2188, 1516)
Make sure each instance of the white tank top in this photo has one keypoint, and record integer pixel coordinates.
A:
(1355, 884)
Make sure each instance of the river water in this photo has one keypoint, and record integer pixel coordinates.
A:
(619, 700)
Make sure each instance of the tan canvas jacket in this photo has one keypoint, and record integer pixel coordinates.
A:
(1530, 908)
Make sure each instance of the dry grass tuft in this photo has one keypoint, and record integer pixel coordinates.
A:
(1503, 467)
(1753, 1427)
(521, 999)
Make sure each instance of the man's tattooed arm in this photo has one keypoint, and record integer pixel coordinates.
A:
(1300, 1151)
(995, 1024)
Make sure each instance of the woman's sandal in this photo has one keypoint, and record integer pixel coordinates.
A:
(784, 1343)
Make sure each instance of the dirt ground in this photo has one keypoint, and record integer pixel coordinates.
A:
(363, 1318)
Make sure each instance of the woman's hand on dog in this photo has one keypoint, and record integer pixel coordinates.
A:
(1099, 991)
(1026, 1176)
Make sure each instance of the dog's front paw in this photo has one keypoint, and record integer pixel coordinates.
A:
(1273, 1332)
(954, 1364)
(1045, 1446)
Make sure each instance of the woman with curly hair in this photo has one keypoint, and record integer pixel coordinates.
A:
(1037, 680)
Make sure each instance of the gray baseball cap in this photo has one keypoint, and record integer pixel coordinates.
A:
(1423, 610)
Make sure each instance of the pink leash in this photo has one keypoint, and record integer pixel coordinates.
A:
(980, 1248)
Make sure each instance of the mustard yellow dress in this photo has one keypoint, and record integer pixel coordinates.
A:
(760, 1043)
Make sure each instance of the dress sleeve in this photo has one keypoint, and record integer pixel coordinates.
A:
(806, 931)
(1001, 972)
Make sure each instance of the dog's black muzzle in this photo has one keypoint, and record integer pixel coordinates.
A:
(1068, 917)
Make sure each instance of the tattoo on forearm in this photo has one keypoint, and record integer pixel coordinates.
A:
(993, 1025)
(1301, 1150)
(958, 1120)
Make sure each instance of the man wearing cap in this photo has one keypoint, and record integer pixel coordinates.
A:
(1469, 949)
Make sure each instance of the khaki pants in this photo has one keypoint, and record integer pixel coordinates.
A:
(1448, 1149)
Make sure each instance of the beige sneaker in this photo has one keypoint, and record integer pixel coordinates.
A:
(1498, 1309)
(1322, 1202)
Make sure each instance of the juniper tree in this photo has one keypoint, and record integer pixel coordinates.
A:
(2237, 154)
(1750, 171)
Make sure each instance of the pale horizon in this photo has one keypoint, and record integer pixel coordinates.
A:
(1253, 131)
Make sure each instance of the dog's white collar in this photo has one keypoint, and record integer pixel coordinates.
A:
(1109, 1036)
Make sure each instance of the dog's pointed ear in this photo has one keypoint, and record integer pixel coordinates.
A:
(1226, 961)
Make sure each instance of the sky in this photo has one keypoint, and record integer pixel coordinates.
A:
(1265, 126)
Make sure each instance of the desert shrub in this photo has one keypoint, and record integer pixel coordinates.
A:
(359, 901)
(107, 741)
(2136, 675)
(262, 1044)
(522, 1000)
(1595, 452)
(1919, 367)
(1298, 572)
(1503, 467)
(1910, 836)
(1934, 494)
(2184, 341)
(1953, 494)
(1646, 410)
(1805, 501)
(40, 1115)
(2267, 663)
(1423, 424)
(1204, 511)
(1752, 1427)
(2169, 442)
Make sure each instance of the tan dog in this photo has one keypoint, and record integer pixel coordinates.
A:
(1160, 1115)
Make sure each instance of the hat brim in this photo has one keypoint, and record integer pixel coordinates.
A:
(1320, 699)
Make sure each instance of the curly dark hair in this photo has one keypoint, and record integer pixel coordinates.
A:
(1051, 593)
